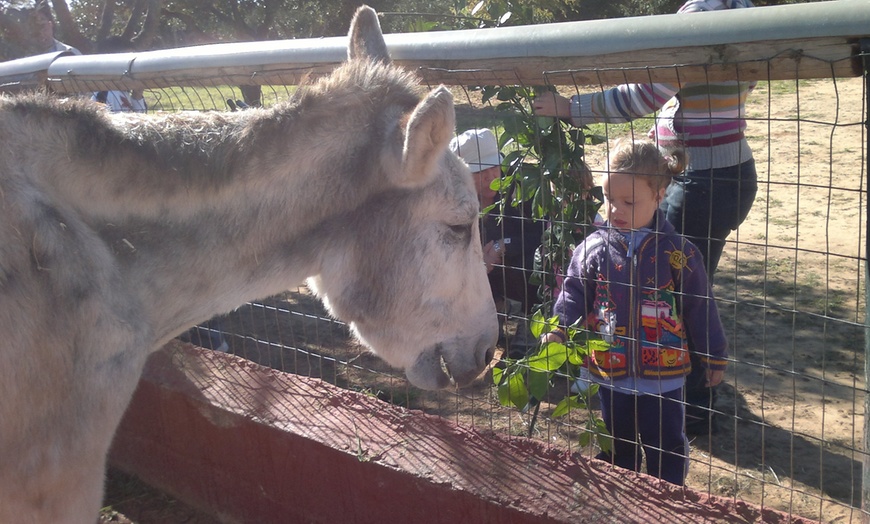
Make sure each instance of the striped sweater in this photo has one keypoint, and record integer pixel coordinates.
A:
(708, 119)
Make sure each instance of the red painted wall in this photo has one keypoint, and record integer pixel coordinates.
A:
(250, 444)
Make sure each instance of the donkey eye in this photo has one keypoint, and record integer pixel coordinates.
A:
(461, 232)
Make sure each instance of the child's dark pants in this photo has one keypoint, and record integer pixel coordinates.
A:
(658, 419)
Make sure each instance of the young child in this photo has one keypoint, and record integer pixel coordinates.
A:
(643, 288)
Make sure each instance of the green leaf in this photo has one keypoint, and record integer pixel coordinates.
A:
(605, 441)
(577, 136)
(577, 355)
(597, 192)
(537, 324)
(502, 184)
(497, 373)
(539, 383)
(487, 92)
(506, 93)
(567, 404)
(513, 392)
(513, 158)
(514, 126)
(488, 208)
(596, 344)
(545, 123)
(550, 358)
(596, 139)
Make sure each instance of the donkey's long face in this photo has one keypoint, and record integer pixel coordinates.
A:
(409, 274)
(412, 283)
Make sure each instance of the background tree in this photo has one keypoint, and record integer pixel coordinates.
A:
(170, 23)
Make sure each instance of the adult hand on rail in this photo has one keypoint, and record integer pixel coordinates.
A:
(552, 104)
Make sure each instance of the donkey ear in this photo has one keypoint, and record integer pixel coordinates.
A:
(429, 130)
(366, 38)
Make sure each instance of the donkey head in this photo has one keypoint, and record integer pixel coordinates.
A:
(410, 277)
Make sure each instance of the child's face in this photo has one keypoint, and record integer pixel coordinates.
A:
(482, 181)
(631, 202)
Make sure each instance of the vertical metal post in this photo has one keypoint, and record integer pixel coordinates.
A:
(865, 475)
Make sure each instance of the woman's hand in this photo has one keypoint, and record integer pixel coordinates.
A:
(552, 104)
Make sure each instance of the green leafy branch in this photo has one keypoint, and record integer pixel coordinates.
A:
(545, 166)
(523, 382)
(546, 169)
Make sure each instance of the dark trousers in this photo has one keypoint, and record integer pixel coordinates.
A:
(658, 421)
(700, 400)
(706, 206)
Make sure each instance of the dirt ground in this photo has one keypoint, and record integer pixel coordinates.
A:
(790, 287)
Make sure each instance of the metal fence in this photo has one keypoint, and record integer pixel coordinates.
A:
(791, 284)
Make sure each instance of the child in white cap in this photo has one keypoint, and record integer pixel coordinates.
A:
(509, 240)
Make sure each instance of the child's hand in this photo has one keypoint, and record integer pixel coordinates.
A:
(551, 104)
(550, 337)
(714, 377)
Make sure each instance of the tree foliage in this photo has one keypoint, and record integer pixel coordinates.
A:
(152, 24)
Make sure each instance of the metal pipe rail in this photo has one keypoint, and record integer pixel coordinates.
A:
(812, 40)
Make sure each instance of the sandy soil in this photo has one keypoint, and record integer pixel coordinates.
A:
(790, 286)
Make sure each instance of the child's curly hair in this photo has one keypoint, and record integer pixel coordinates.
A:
(644, 158)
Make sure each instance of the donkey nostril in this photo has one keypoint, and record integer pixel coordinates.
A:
(488, 357)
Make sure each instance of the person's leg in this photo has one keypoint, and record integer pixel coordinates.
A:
(747, 188)
(620, 418)
(689, 207)
(496, 286)
(700, 399)
(706, 206)
(682, 214)
(519, 290)
(660, 423)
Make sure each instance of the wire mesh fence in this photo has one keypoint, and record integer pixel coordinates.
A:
(790, 289)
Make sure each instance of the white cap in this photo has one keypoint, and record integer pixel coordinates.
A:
(479, 149)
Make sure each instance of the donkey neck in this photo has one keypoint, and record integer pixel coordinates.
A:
(194, 240)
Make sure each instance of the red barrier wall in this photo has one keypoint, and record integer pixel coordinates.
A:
(250, 444)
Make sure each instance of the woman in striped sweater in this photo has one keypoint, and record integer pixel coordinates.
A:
(719, 185)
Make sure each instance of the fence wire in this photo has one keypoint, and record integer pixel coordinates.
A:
(790, 289)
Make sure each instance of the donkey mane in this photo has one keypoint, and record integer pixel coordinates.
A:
(370, 80)
(205, 151)
(187, 148)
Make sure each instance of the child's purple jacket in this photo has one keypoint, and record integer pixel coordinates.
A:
(648, 306)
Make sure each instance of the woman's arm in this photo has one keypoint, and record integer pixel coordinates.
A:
(622, 103)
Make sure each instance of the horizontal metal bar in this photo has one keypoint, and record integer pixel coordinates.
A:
(799, 40)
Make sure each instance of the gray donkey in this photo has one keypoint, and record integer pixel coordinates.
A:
(121, 231)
